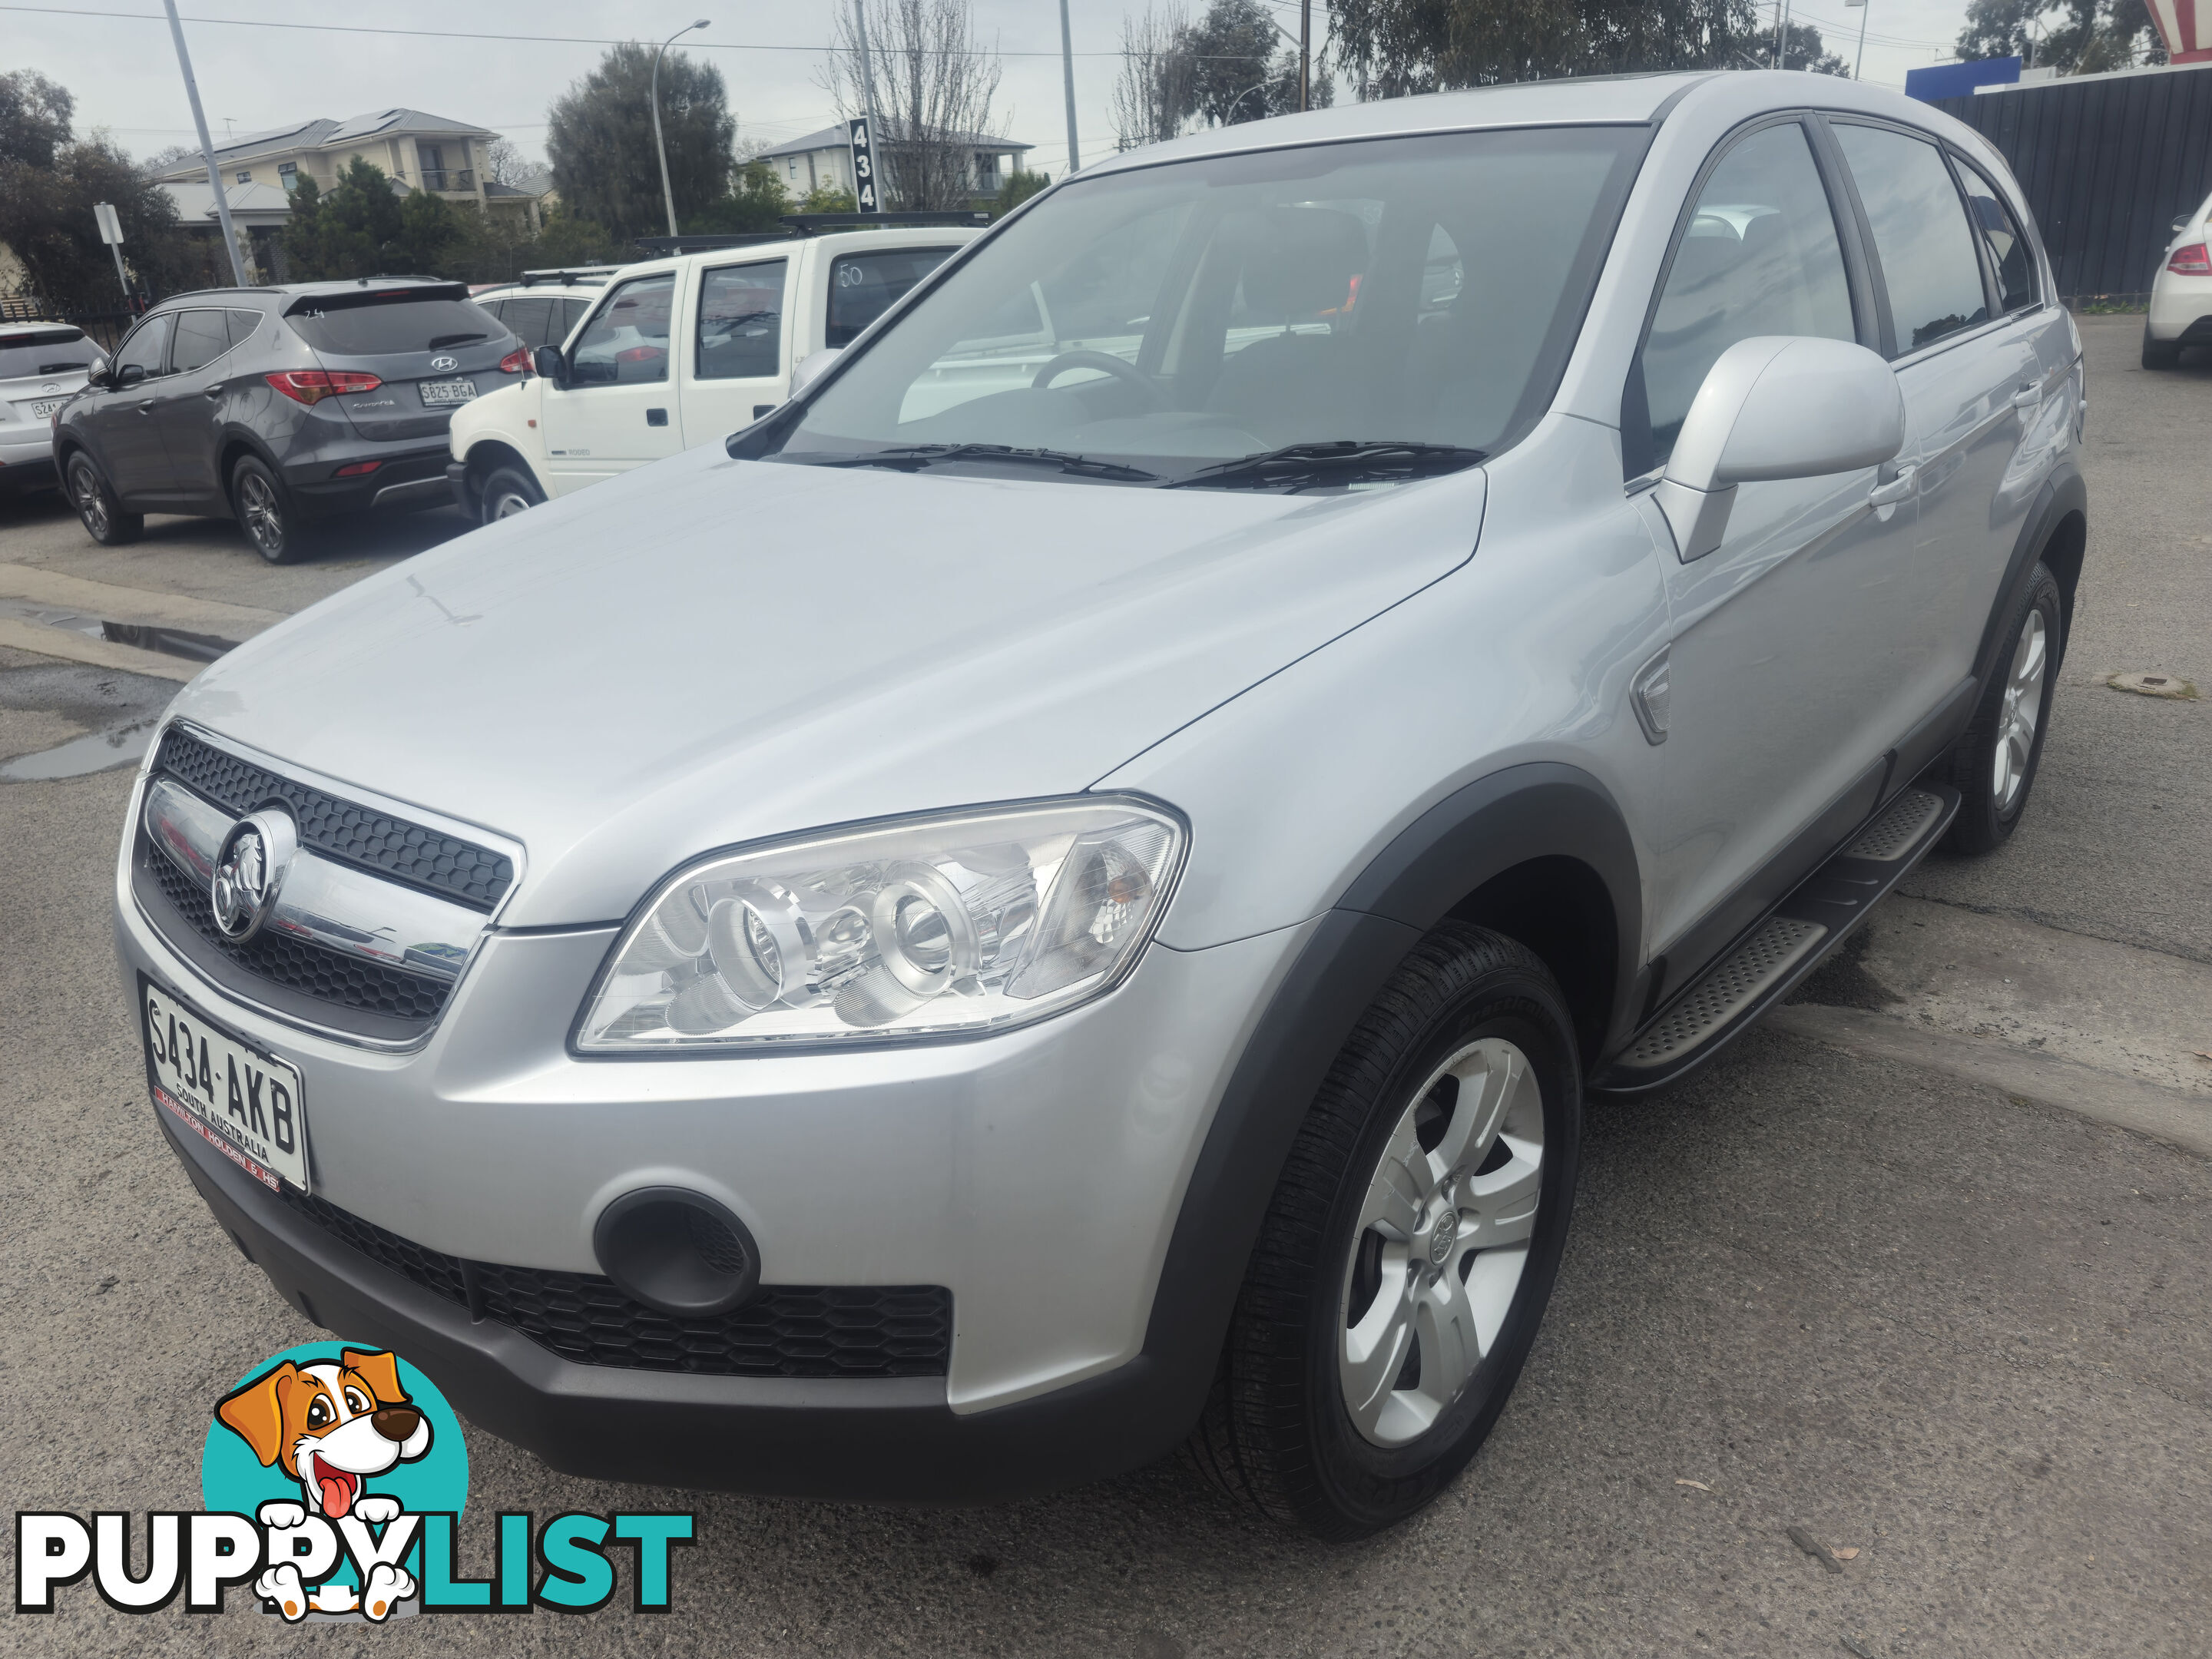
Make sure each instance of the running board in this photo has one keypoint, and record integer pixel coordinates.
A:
(1769, 961)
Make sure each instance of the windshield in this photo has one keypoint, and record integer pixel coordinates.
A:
(1404, 292)
(47, 351)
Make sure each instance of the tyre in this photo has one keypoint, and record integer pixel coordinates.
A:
(2159, 354)
(103, 516)
(507, 491)
(1994, 765)
(266, 512)
(1409, 1249)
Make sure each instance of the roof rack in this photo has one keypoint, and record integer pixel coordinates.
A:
(804, 224)
(568, 274)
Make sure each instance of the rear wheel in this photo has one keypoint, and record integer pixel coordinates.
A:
(267, 512)
(1994, 766)
(507, 491)
(2159, 354)
(104, 519)
(1409, 1250)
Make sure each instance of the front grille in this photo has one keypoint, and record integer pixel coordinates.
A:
(310, 969)
(393, 846)
(786, 1330)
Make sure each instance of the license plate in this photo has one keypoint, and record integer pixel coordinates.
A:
(247, 1105)
(41, 411)
(439, 393)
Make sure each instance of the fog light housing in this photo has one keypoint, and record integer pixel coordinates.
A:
(678, 1252)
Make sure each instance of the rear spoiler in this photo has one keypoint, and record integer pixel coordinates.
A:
(347, 298)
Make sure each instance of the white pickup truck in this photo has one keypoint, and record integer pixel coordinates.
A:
(679, 352)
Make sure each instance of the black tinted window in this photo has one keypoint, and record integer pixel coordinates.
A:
(526, 318)
(380, 326)
(571, 312)
(242, 326)
(47, 351)
(149, 347)
(202, 336)
(2010, 253)
(1926, 253)
(1761, 256)
(627, 340)
(863, 286)
(741, 320)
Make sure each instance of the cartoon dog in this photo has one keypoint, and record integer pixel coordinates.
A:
(330, 1427)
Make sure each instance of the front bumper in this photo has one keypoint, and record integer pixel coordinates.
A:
(1035, 1176)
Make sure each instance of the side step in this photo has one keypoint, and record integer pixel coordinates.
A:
(1769, 961)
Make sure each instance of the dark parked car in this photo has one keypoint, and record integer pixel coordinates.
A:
(279, 406)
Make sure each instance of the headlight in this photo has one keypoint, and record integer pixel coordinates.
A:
(972, 921)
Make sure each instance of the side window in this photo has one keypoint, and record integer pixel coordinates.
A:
(570, 312)
(1921, 237)
(626, 342)
(526, 318)
(1761, 256)
(2010, 255)
(741, 320)
(149, 348)
(864, 286)
(202, 336)
(242, 324)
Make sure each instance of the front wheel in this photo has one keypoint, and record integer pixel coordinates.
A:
(1994, 766)
(103, 516)
(267, 513)
(1410, 1248)
(507, 491)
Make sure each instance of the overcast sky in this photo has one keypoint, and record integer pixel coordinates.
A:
(124, 73)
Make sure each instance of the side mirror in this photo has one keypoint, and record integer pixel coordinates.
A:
(129, 374)
(1776, 406)
(548, 362)
(812, 365)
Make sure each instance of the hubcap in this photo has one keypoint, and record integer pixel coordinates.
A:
(2022, 708)
(507, 506)
(1443, 1240)
(88, 503)
(265, 521)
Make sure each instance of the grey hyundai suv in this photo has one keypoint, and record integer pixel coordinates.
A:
(1061, 895)
(279, 407)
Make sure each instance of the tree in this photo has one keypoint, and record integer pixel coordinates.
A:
(1020, 185)
(35, 118)
(599, 140)
(47, 219)
(1153, 94)
(827, 198)
(1394, 47)
(433, 239)
(757, 203)
(1233, 74)
(2075, 37)
(934, 87)
(169, 158)
(503, 162)
(350, 231)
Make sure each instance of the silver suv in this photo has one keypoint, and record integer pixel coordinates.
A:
(1061, 895)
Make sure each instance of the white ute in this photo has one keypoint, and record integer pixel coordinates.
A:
(679, 352)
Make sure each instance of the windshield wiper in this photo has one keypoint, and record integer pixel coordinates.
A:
(911, 457)
(440, 340)
(1296, 465)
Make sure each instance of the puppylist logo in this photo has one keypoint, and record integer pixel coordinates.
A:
(334, 1480)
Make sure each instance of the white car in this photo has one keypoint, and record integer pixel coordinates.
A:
(2181, 293)
(619, 394)
(42, 367)
(545, 307)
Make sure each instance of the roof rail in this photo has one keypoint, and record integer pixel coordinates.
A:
(813, 224)
(567, 273)
(661, 247)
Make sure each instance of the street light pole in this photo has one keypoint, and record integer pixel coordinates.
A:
(1859, 62)
(1305, 54)
(1067, 80)
(667, 196)
(207, 146)
(880, 147)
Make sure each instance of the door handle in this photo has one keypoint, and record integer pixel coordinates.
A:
(146, 406)
(212, 392)
(656, 417)
(2027, 397)
(1897, 489)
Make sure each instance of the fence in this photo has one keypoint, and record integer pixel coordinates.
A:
(108, 327)
(2108, 163)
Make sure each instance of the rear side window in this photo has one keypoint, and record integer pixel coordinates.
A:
(526, 319)
(2010, 256)
(202, 336)
(626, 342)
(149, 347)
(385, 327)
(242, 324)
(571, 313)
(864, 286)
(741, 320)
(1761, 256)
(1920, 234)
(45, 352)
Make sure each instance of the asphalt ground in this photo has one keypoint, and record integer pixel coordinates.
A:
(1958, 1329)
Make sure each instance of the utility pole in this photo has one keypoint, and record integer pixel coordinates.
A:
(879, 149)
(111, 232)
(667, 196)
(1305, 54)
(1860, 63)
(207, 147)
(1067, 79)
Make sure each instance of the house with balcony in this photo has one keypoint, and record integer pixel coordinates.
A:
(415, 149)
(825, 160)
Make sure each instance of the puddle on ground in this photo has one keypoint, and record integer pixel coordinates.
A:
(95, 751)
(170, 641)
